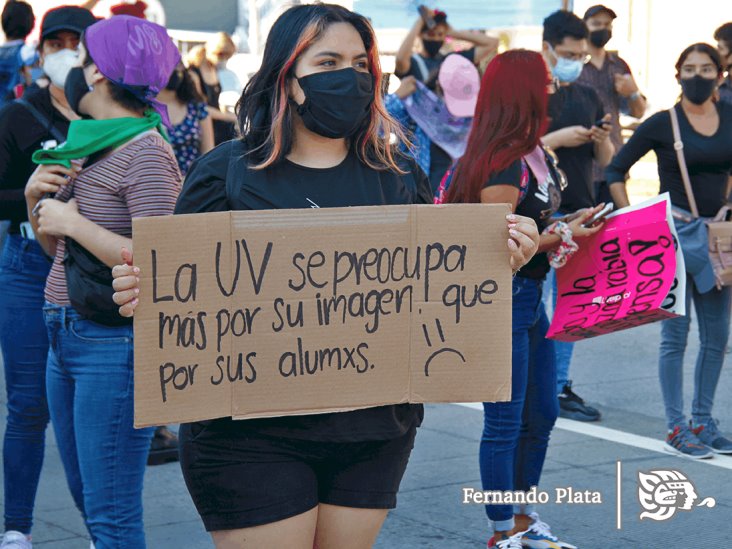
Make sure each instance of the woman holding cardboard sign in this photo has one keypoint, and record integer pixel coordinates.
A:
(505, 162)
(704, 127)
(315, 135)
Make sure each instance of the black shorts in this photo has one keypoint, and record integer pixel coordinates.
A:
(238, 478)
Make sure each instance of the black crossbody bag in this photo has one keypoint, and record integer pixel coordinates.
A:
(89, 285)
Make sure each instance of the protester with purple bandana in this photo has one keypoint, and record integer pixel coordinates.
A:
(115, 165)
(439, 119)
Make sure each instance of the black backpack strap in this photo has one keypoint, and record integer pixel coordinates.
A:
(43, 120)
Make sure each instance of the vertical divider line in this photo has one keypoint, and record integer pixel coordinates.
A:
(619, 498)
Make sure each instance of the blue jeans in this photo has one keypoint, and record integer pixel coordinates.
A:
(23, 271)
(562, 349)
(516, 433)
(713, 315)
(90, 396)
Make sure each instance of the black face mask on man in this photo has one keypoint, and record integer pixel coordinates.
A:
(432, 47)
(336, 102)
(698, 89)
(76, 88)
(599, 38)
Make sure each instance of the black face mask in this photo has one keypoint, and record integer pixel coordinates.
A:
(175, 81)
(336, 102)
(600, 37)
(432, 47)
(76, 88)
(698, 89)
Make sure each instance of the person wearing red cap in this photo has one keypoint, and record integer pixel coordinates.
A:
(40, 119)
(114, 166)
(136, 9)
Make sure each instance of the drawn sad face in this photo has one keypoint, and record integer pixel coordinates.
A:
(444, 355)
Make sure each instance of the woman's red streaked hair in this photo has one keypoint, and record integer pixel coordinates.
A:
(510, 118)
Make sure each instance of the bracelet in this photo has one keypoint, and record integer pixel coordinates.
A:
(635, 96)
(567, 247)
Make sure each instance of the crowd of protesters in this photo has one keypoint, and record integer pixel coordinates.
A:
(104, 121)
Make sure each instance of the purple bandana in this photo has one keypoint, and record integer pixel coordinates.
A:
(135, 54)
(445, 130)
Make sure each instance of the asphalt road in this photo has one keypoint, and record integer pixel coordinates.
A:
(617, 372)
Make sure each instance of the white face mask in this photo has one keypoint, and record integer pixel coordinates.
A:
(57, 65)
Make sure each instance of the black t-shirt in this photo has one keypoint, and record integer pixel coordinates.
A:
(708, 158)
(428, 73)
(22, 134)
(575, 105)
(539, 202)
(288, 185)
(440, 162)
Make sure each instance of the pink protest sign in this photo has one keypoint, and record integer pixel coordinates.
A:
(623, 276)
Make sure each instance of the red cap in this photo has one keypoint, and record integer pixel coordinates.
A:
(135, 10)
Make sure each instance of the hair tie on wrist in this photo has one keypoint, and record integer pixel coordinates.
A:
(567, 247)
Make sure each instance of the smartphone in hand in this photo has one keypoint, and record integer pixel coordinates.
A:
(600, 216)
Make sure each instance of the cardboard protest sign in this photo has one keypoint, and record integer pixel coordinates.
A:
(628, 274)
(283, 312)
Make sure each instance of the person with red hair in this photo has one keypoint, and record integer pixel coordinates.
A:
(505, 162)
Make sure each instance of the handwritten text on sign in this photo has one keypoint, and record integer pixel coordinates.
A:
(622, 277)
(252, 314)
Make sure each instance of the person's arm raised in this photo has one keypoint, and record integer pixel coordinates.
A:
(476, 38)
(404, 54)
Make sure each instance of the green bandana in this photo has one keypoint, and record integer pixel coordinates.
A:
(87, 137)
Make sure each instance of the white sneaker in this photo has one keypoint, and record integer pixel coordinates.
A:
(539, 536)
(15, 540)
(514, 542)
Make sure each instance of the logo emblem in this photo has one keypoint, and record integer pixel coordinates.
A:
(662, 492)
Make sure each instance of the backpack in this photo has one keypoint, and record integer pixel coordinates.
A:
(11, 64)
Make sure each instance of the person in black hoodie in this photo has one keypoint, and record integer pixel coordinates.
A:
(39, 120)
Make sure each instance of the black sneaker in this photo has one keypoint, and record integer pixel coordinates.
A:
(163, 447)
(571, 406)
